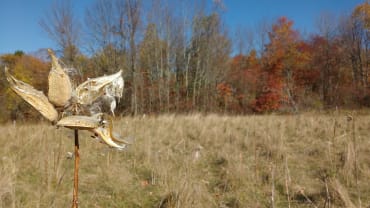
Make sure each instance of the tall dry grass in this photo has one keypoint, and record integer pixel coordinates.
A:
(308, 160)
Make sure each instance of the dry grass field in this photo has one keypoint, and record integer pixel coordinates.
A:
(308, 160)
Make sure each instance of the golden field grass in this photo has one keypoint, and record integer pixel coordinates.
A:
(308, 160)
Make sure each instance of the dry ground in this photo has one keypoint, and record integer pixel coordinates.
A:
(310, 160)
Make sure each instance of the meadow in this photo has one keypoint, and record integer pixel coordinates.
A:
(306, 160)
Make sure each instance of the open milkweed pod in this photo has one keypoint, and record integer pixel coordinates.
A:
(117, 137)
(60, 87)
(115, 89)
(114, 135)
(81, 122)
(92, 89)
(105, 133)
(35, 98)
(100, 124)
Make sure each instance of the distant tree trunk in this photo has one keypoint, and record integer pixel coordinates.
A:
(133, 20)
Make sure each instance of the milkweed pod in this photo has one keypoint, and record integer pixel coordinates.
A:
(35, 98)
(105, 133)
(80, 122)
(92, 89)
(60, 87)
(114, 135)
(117, 138)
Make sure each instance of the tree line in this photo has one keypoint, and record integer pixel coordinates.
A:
(179, 56)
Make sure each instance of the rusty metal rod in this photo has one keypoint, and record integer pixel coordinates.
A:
(77, 163)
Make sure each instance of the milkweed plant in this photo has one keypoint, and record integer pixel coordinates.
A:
(77, 109)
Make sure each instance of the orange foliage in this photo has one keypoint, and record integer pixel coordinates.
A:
(224, 90)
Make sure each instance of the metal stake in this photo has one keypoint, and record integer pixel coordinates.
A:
(77, 162)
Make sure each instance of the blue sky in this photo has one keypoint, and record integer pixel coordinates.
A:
(304, 13)
(20, 30)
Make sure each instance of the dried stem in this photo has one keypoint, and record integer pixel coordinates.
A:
(287, 180)
(77, 162)
(308, 199)
(356, 162)
(328, 198)
(272, 185)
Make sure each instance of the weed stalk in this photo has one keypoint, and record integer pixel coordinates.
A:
(356, 162)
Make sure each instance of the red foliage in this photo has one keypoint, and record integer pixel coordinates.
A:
(279, 58)
(266, 102)
(286, 72)
(244, 78)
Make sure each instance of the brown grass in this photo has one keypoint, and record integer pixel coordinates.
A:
(193, 161)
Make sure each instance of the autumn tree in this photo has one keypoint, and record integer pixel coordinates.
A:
(355, 33)
(210, 48)
(280, 64)
(105, 35)
(161, 30)
(150, 69)
(112, 28)
(307, 79)
(178, 56)
(62, 26)
(360, 19)
(243, 77)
